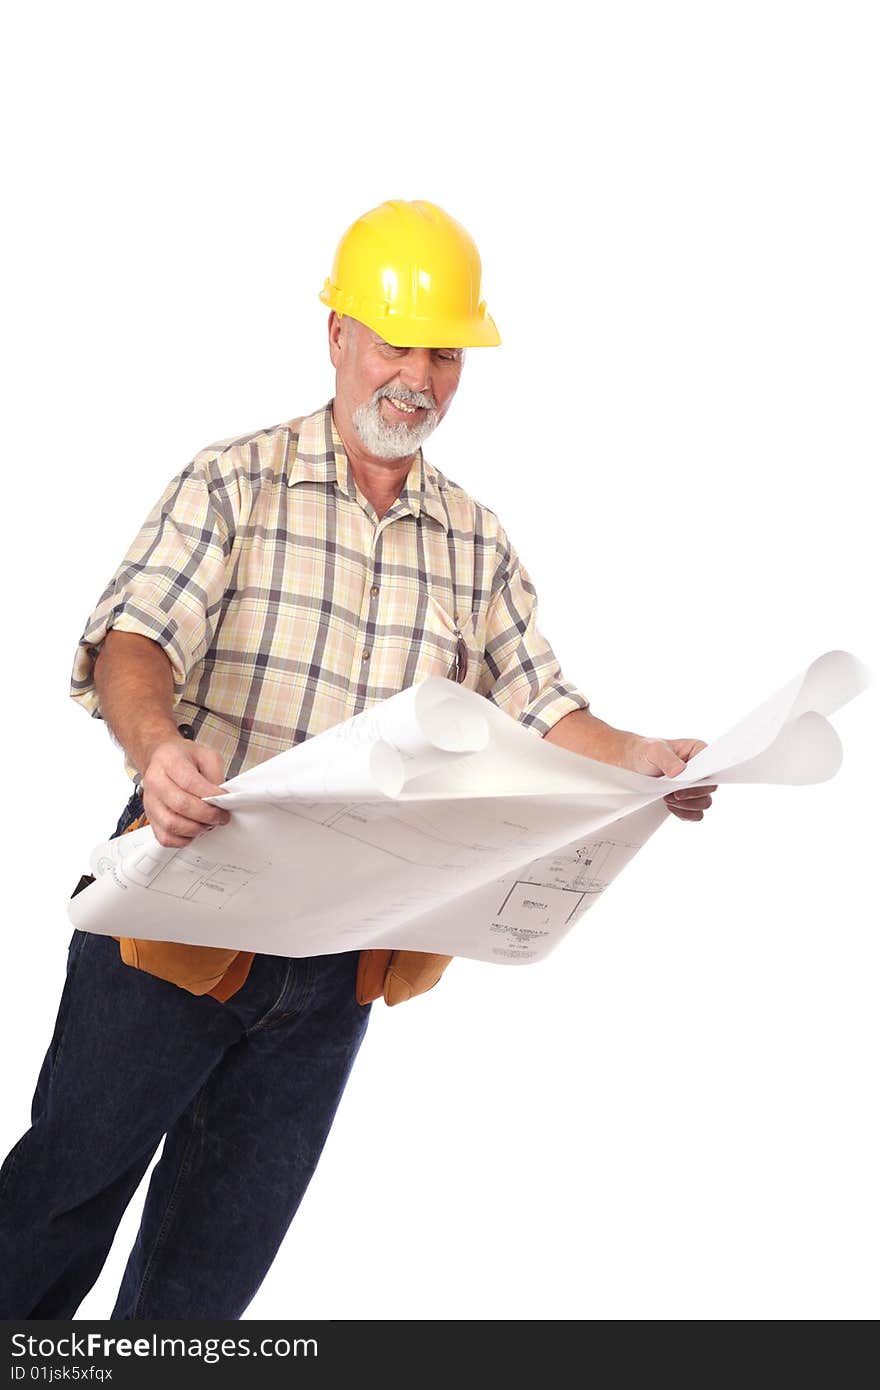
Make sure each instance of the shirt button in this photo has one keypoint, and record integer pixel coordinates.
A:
(375, 589)
(365, 654)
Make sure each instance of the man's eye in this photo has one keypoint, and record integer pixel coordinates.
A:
(449, 356)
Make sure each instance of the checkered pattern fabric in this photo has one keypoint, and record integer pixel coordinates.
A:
(285, 604)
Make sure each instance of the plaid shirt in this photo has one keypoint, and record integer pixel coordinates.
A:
(285, 604)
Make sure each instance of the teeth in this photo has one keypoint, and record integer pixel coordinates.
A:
(403, 405)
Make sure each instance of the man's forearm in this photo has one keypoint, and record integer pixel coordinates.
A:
(581, 732)
(135, 688)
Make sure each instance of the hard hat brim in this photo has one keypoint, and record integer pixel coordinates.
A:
(403, 331)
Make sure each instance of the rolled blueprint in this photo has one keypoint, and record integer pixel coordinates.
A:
(435, 822)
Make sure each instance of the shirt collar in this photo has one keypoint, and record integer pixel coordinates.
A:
(321, 458)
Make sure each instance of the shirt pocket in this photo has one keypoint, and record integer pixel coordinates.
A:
(453, 648)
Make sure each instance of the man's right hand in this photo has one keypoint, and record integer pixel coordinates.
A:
(178, 774)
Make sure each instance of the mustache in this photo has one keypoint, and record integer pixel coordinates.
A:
(400, 393)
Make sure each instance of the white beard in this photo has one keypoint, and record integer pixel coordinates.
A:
(385, 441)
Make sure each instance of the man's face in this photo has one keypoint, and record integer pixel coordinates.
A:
(390, 398)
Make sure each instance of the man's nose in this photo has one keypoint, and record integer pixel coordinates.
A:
(415, 370)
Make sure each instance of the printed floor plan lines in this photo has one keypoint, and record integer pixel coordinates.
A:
(409, 833)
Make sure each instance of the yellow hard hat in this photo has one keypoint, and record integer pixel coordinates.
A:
(411, 273)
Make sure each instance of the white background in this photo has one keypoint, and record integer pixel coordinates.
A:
(674, 1116)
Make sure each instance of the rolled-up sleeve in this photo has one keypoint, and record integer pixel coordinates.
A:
(169, 585)
(521, 674)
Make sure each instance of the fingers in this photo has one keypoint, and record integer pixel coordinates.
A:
(687, 747)
(170, 826)
(690, 802)
(172, 831)
(210, 767)
(196, 773)
(173, 786)
(657, 759)
(174, 771)
(691, 796)
(176, 799)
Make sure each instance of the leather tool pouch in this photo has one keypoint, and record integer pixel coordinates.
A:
(397, 975)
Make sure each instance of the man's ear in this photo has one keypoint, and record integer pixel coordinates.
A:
(335, 335)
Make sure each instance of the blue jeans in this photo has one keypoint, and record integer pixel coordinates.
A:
(244, 1092)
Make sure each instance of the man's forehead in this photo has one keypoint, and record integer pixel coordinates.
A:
(379, 341)
(383, 342)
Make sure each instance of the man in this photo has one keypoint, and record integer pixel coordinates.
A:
(286, 580)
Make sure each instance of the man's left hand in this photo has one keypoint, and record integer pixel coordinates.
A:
(657, 757)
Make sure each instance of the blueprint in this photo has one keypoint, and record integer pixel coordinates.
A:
(435, 822)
